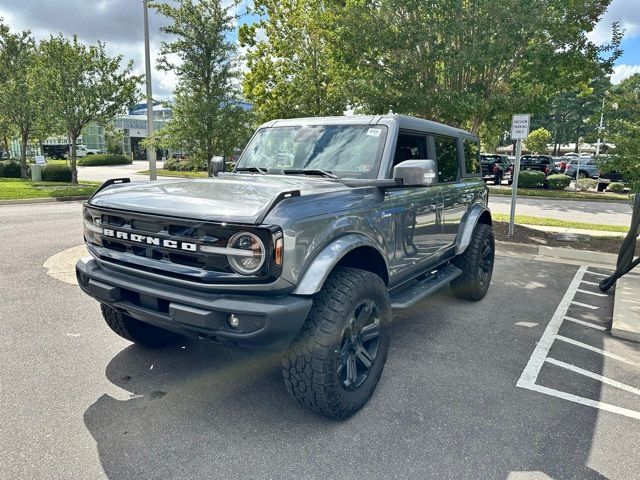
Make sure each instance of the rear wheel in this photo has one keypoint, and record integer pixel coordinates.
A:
(581, 175)
(476, 264)
(334, 364)
(136, 331)
(497, 179)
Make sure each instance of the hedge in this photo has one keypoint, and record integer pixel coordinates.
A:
(531, 179)
(56, 173)
(179, 165)
(615, 187)
(586, 184)
(558, 181)
(103, 159)
(10, 169)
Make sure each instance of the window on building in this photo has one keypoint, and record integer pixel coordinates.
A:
(447, 158)
(471, 156)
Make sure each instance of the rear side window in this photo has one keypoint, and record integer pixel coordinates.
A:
(472, 157)
(447, 158)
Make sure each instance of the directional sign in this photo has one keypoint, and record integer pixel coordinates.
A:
(520, 126)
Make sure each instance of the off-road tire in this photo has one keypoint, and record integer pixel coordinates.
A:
(136, 331)
(311, 365)
(474, 281)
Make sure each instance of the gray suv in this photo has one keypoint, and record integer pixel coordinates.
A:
(325, 227)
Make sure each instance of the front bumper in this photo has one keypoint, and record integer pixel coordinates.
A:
(266, 323)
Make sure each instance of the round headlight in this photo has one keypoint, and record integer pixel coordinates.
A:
(249, 254)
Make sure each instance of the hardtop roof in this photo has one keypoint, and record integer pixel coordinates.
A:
(405, 122)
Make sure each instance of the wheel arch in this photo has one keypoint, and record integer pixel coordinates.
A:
(478, 214)
(351, 250)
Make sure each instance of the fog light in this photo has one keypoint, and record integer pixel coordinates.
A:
(233, 320)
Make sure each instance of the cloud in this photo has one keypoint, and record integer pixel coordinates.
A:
(626, 12)
(620, 72)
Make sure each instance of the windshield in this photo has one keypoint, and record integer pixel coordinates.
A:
(347, 151)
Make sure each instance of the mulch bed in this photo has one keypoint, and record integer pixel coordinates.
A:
(548, 239)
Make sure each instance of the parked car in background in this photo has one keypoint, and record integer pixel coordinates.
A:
(83, 151)
(583, 168)
(55, 151)
(540, 163)
(496, 167)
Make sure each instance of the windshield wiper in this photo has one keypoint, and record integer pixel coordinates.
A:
(252, 169)
(310, 171)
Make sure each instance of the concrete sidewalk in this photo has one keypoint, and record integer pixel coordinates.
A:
(578, 231)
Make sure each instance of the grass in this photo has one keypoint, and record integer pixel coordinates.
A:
(552, 222)
(17, 189)
(561, 194)
(175, 173)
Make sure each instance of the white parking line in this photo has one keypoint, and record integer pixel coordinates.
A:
(595, 294)
(595, 376)
(586, 324)
(598, 274)
(586, 346)
(531, 371)
(585, 305)
(590, 283)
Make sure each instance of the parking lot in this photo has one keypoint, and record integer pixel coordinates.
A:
(526, 384)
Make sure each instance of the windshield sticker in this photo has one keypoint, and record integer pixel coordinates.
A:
(374, 132)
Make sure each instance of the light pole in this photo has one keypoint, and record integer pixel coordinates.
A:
(579, 163)
(151, 151)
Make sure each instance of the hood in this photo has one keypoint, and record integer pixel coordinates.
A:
(236, 198)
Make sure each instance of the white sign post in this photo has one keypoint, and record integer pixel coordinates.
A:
(519, 131)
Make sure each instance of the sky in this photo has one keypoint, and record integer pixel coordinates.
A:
(119, 24)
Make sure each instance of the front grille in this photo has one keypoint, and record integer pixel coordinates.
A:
(147, 256)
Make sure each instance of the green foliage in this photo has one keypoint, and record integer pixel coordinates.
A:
(587, 184)
(531, 179)
(625, 131)
(103, 159)
(537, 140)
(84, 84)
(616, 187)
(558, 182)
(188, 165)
(113, 138)
(56, 173)
(10, 169)
(461, 63)
(207, 114)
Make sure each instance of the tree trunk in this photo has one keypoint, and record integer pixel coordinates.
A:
(24, 172)
(74, 169)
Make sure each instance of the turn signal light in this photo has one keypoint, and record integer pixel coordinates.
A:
(278, 251)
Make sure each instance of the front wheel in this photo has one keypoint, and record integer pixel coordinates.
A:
(334, 364)
(476, 264)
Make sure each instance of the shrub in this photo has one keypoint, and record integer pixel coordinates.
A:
(531, 179)
(103, 159)
(587, 184)
(10, 169)
(188, 165)
(558, 181)
(616, 187)
(56, 173)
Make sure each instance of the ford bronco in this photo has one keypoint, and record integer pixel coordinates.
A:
(324, 228)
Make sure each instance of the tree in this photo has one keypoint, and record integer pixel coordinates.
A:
(624, 131)
(537, 140)
(113, 138)
(20, 98)
(208, 116)
(463, 63)
(85, 85)
(293, 70)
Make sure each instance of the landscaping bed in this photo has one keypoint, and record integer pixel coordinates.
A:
(175, 173)
(540, 238)
(560, 194)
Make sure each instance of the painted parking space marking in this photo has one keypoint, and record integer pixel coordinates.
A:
(595, 294)
(540, 355)
(585, 305)
(586, 324)
(595, 376)
(599, 274)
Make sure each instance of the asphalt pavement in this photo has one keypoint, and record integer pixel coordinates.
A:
(102, 174)
(608, 213)
(78, 402)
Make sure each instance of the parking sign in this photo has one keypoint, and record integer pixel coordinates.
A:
(520, 126)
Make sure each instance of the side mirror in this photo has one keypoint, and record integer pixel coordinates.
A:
(217, 165)
(415, 173)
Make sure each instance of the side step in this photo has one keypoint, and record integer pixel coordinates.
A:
(420, 289)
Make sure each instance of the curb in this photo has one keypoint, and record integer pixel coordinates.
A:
(596, 200)
(26, 201)
(558, 254)
(626, 309)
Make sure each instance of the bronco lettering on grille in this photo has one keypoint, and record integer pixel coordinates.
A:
(160, 242)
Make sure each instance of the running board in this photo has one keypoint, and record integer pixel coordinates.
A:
(418, 290)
